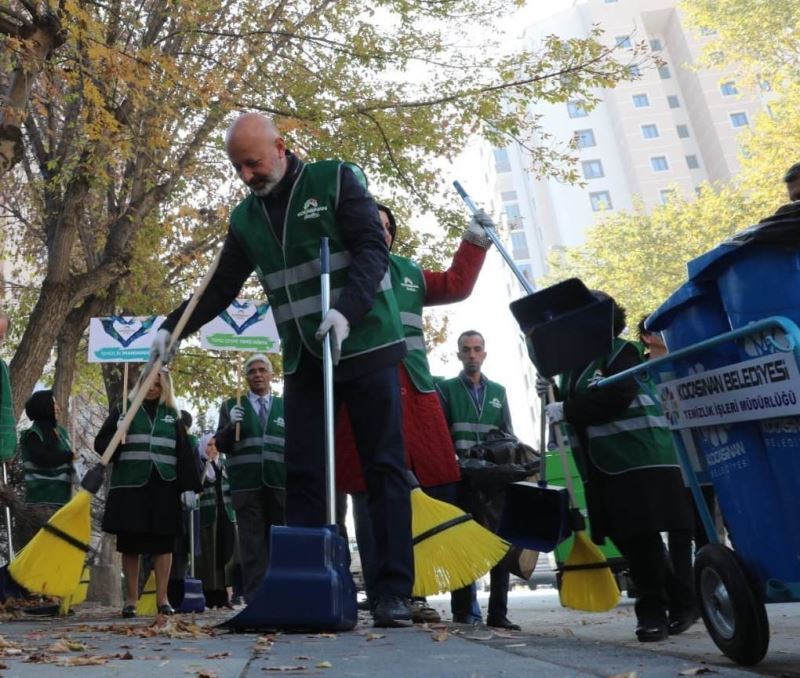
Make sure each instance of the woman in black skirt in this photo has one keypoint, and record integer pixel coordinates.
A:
(150, 471)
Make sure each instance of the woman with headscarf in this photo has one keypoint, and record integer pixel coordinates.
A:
(150, 471)
(634, 490)
(47, 458)
(217, 526)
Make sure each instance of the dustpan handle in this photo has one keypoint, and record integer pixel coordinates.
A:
(562, 450)
(492, 234)
(327, 383)
(543, 445)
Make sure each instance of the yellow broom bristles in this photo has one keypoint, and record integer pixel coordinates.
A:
(455, 556)
(146, 605)
(593, 589)
(50, 564)
(79, 596)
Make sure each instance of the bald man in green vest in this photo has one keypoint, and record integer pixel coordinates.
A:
(474, 406)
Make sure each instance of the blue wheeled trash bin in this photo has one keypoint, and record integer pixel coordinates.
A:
(730, 388)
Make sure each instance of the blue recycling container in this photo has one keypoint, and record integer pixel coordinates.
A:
(757, 280)
(735, 457)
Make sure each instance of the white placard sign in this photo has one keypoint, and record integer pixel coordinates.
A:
(247, 326)
(761, 388)
(122, 339)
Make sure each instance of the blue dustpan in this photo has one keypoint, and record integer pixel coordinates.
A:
(308, 585)
(194, 600)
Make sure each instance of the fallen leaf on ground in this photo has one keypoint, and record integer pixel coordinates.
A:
(440, 637)
(125, 656)
(699, 671)
(6, 644)
(218, 655)
(66, 645)
(264, 643)
(324, 665)
(207, 674)
(86, 660)
(302, 658)
(37, 658)
(630, 674)
(503, 634)
(569, 632)
(515, 645)
(375, 636)
(488, 636)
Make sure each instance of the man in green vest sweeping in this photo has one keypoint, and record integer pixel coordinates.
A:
(475, 406)
(275, 231)
(255, 466)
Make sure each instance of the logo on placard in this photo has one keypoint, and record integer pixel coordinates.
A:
(312, 209)
(243, 314)
(126, 330)
(409, 284)
(494, 402)
(715, 435)
(670, 405)
(764, 343)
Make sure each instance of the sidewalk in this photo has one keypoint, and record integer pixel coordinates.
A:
(554, 643)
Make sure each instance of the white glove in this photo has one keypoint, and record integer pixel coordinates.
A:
(339, 327)
(160, 347)
(542, 386)
(189, 500)
(476, 233)
(236, 414)
(554, 412)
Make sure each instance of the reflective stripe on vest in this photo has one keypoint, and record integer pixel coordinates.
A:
(149, 443)
(467, 426)
(257, 459)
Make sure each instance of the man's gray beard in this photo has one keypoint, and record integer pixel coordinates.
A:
(272, 181)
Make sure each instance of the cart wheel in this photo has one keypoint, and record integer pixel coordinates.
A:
(733, 611)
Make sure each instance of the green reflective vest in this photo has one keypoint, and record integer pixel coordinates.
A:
(147, 443)
(289, 271)
(45, 485)
(638, 438)
(257, 459)
(8, 422)
(408, 284)
(469, 427)
(208, 499)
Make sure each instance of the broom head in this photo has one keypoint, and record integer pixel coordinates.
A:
(51, 562)
(78, 597)
(587, 582)
(450, 549)
(146, 605)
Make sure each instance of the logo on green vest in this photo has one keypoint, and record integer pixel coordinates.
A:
(279, 422)
(311, 209)
(409, 284)
(494, 402)
(168, 419)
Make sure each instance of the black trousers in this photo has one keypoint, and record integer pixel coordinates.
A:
(659, 592)
(256, 511)
(486, 510)
(681, 542)
(373, 403)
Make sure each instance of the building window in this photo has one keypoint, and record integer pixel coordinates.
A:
(663, 71)
(592, 169)
(508, 196)
(692, 162)
(601, 200)
(584, 138)
(739, 119)
(665, 194)
(765, 86)
(623, 41)
(650, 131)
(641, 101)
(673, 101)
(501, 161)
(683, 131)
(576, 109)
(513, 214)
(728, 88)
(634, 71)
(519, 245)
(659, 163)
(655, 45)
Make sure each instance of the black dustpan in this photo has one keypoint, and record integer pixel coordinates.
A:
(536, 515)
(565, 326)
(308, 585)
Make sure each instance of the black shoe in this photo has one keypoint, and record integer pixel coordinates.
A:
(129, 611)
(467, 618)
(502, 623)
(42, 611)
(392, 612)
(651, 633)
(682, 622)
(166, 609)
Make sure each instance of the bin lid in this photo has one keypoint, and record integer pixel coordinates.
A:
(704, 266)
(663, 316)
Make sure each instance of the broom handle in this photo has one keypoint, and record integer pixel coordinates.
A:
(562, 450)
(156, 365)
(191, 544)
(492, 234)
(8, 518)
(327, 384)
(543, 445)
